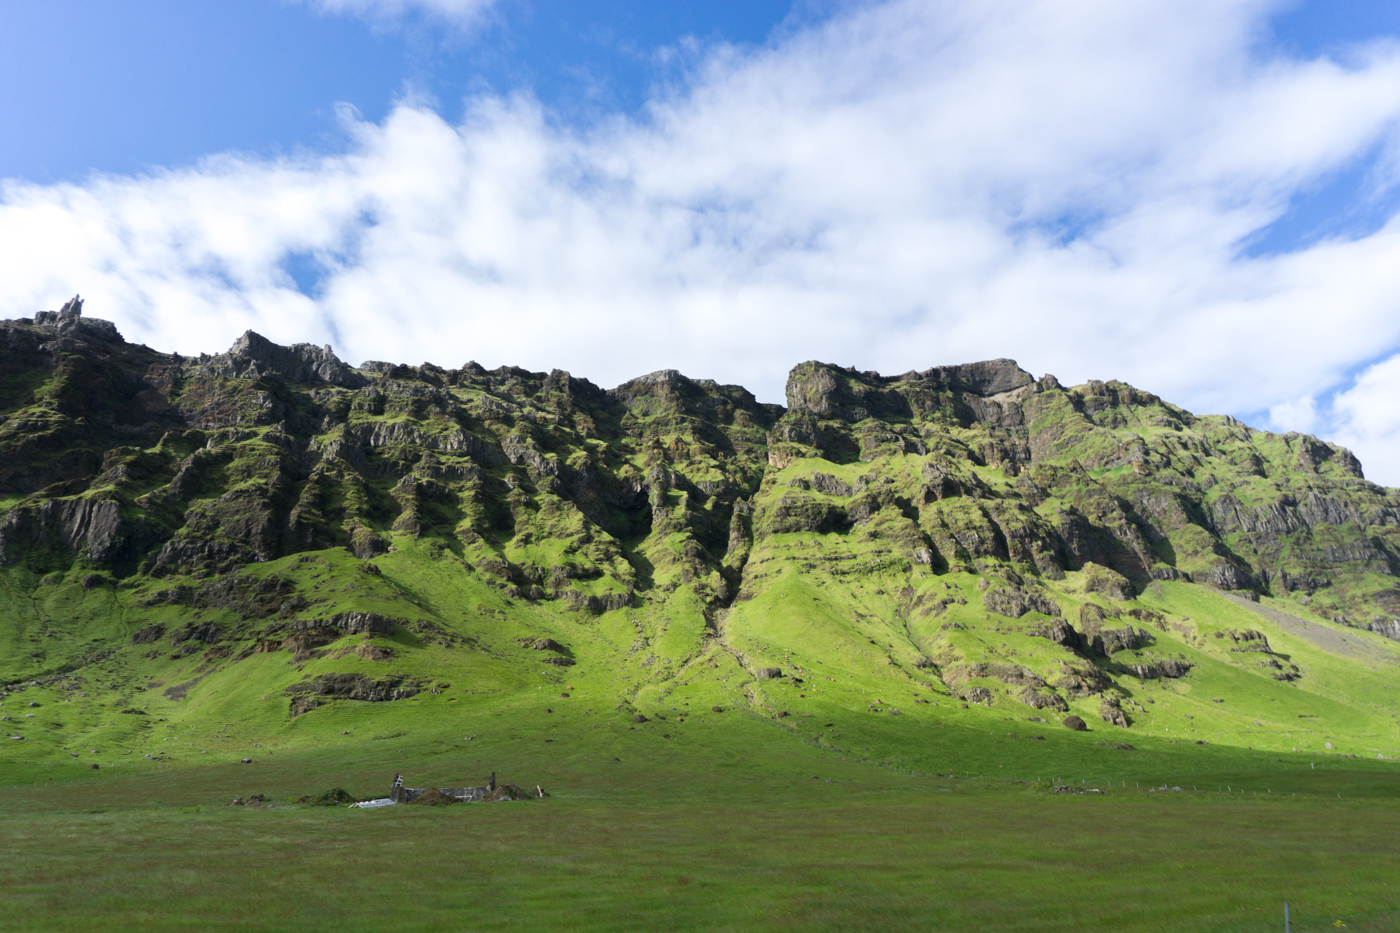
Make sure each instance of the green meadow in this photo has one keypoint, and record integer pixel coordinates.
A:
(729, 824)
(954, 650)
(862, 795)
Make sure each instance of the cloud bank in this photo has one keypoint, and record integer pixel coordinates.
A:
(1072, 183)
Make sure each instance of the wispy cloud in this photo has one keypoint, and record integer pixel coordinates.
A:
(1068, 183)
(461, 13)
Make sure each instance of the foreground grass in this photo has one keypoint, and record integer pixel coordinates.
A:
(731, 833)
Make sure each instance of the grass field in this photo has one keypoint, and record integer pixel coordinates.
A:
(857, 791)
(740, 803)
(730, 824)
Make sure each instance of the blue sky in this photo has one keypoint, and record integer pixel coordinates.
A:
(121, 87)
(1197, 196)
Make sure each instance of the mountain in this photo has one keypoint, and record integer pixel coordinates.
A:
(272, 535)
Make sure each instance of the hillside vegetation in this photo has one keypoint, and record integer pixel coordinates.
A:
(206, 558)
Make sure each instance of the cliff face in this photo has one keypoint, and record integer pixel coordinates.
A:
(133, 464)
(272, 537)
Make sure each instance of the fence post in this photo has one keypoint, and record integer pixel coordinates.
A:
(1287, 928)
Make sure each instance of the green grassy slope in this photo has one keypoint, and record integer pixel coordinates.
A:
(268, 548)
(669, 603)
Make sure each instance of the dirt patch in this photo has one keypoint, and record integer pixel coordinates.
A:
(432, 797)
(504, 792)
(178, 691)
(335, 797)
(1321, 636)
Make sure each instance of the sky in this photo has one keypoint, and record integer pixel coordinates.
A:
(1198, 197)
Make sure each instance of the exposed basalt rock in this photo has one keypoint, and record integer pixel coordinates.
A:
(825, 390)
(148, 635)
(304, 643)
(793, 513)
(253, 356)
(829, 485)
(1043, 700)
(1111, 712)
(1075, 723)
(1128, 638)
(768, 673)
(1106, 582)
(597, 604)
(249, 597)
(1100, 641)
(308, 694)
(1225, 576)
(366, 650)
(1389, 628)
(1247, 640)
(979, 695)
(1015, 602)
(120, 462)
(94, 527)
(955, 675)
(206, 632)
(364, 623)
(1061, 633)
(1081, 680)
(1170, 668)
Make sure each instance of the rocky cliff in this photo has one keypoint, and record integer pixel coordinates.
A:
(138, 464)
(383, 531)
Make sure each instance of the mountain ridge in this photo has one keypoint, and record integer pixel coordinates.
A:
(988, 537)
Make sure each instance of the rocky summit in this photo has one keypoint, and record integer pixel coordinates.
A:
(271, 525)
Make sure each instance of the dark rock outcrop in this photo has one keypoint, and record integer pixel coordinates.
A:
(308, 694)
(253, 356)
(1111, 712)
(1015, 602)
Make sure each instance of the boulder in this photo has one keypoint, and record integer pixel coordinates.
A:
(1112, 713)
(979, 695)
(1110, 583)
(1075, 723)
(1038, 700)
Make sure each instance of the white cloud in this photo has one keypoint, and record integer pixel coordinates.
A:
(1298, 414)
(1368, 419)
(1067, 182)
